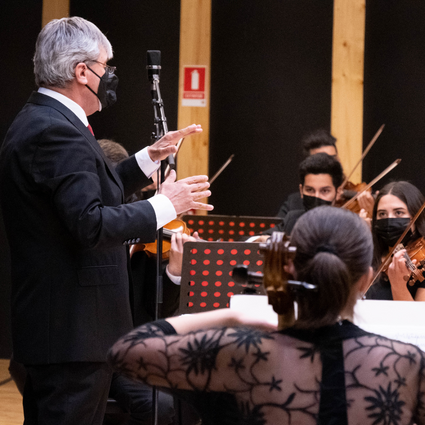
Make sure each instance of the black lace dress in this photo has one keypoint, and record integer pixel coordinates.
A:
(338, 374)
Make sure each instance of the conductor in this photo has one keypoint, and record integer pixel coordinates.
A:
(68, 226)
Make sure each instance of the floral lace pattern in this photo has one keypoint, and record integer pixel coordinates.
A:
(276, 378)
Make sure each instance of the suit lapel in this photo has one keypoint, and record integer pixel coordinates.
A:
(42, 99)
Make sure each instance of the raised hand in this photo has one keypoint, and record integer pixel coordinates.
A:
(167, 144)
(185, 193)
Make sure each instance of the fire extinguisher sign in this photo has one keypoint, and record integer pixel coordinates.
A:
(194, 86)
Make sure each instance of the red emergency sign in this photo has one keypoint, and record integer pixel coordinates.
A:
(194, 86)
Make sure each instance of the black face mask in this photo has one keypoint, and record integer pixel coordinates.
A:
(389, 230)
(311, 202)
(107, 87)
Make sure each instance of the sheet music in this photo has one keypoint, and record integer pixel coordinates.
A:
(415, 335)
(400, 320)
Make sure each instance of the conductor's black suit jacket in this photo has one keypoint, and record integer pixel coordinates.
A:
(63, 210)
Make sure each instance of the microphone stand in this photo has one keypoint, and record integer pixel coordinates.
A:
(161, 128)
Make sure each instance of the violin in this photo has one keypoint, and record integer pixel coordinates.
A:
(353, 201)
(415, 250)
(350, 191)
(175, 226)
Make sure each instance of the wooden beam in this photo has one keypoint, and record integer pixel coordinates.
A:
(195, 50)
(54, 9)
(347, 82)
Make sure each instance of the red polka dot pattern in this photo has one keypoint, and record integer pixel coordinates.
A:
(207, 276)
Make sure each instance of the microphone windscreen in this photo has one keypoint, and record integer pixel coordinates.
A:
(153, 57)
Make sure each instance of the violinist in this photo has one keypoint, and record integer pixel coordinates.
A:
(237, 369)
(320, 178)
(315, 142)
(322, 141)
(394, 207)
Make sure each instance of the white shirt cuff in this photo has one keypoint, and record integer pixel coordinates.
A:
(252, 238)
(175, 279)
(145, 163)
(164, 210)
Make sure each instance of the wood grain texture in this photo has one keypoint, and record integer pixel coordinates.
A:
(195, 49)
(347, 82)
(54, 9)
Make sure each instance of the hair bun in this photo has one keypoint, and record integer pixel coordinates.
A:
(326, 248)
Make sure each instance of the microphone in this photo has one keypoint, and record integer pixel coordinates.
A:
(153, 60)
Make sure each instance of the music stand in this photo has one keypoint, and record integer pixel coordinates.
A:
(207, 282)
(228, 227)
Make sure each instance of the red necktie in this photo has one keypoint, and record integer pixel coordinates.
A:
(91, 130)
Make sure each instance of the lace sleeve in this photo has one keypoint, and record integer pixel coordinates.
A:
(194, 361)
(420, 413)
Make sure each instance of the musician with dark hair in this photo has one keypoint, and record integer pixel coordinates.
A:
(317, 141)
(320, 177)
(395, 205)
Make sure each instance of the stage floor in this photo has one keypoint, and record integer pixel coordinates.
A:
(10, 398)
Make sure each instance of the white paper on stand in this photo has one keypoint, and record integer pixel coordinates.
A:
(400, 320)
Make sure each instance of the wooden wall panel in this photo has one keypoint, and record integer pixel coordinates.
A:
(347, 82)
(195, 45)
(54, 9)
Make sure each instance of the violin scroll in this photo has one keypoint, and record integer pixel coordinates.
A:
(276, 255)
(281, 290)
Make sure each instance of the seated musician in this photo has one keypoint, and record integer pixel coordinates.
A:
(320, 178)
(395, 205)
(321, 141)
(323, 369)
(315, 142)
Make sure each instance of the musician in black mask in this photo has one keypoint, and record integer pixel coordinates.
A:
(317, 141)
(321, 176)
(394, 207)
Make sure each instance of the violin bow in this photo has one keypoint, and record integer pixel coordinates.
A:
(391, 251)
(375, 180)
(223, 167)
(365, 152)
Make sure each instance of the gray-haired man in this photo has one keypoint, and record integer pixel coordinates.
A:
(67, 225)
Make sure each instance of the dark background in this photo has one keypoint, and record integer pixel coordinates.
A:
(271, 64)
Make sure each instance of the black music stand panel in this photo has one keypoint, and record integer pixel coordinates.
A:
(207, 281)
(228, 227)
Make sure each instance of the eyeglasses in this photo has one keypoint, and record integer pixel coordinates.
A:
(109, 69)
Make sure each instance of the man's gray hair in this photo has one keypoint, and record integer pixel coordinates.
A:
(61, 45)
